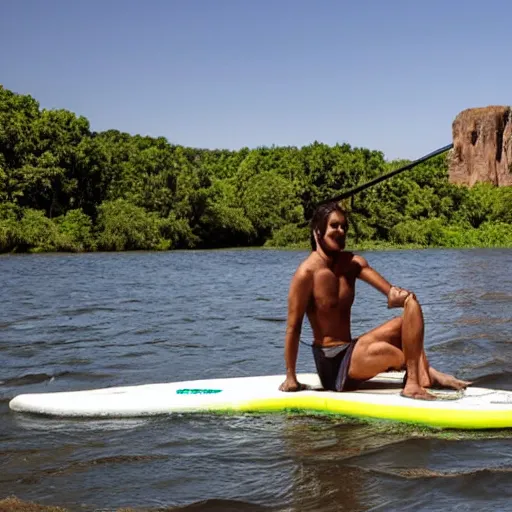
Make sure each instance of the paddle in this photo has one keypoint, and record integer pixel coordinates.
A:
(359, 188)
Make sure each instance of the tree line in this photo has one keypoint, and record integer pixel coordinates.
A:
(64, 187)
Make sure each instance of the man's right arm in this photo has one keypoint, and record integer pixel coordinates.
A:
(299, 295)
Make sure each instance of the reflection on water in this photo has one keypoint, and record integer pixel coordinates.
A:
(87, 321)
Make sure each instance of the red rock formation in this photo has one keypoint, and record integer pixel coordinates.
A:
(482, 146)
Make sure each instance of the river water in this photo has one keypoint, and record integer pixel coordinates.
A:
(95, 320)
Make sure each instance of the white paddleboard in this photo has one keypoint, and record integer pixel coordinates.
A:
(379, 398)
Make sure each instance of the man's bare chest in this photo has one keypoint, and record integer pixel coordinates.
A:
(331, 291)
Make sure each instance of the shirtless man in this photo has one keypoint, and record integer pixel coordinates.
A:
(323, 287)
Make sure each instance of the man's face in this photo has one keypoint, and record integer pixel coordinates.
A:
(336, 232)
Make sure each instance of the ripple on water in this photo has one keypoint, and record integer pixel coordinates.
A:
(122, 319)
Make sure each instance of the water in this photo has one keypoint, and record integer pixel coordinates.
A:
(95, 320)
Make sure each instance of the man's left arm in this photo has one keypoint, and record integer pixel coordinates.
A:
(396, 295)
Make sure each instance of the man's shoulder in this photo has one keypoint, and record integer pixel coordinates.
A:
(358, 260)
(308, 267)
(352, 264)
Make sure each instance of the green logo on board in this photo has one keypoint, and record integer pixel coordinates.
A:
(193, 391)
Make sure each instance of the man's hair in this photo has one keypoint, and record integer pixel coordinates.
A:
(319, 220)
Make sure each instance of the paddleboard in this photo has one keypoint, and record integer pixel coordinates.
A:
(379, 398)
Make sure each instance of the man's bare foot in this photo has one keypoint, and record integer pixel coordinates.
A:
(443, 380)
(425, 380)
(417, 392)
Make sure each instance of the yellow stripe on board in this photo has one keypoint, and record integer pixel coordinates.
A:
(445, 418)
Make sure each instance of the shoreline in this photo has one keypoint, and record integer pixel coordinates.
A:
(364, 247)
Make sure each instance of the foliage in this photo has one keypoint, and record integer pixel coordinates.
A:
(36, 232)
(125, 226)
(76, 230)
(289, 235)
(66, 188)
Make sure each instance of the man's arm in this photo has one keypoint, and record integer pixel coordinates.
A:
(298, 297)
(396, 296)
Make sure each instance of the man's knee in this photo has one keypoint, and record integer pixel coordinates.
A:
(393, 333)
(411, 298)
(396, 325)
(399, 362)
(412, 306)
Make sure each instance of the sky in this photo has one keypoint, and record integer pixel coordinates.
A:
(386, 75)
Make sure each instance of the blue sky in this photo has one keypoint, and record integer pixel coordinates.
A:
(388, 75)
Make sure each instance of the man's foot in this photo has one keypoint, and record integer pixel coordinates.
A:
(425, 380)
(417, 392)
(443, 380)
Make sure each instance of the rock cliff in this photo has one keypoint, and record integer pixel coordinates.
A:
(482, 146)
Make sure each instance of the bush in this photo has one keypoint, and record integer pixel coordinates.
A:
(125, 226)
(289, 235)
(8, 227)
(177, 232)
(75, 230)
(37, 233)
(497, 234)
(428, 232)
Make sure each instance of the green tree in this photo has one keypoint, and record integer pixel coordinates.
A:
(76, 230)
(125, 226)
(269, 203)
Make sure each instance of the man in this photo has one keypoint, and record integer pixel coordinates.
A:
(323, 287)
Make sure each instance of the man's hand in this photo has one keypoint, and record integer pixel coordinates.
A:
(397, 297)
(291, 384)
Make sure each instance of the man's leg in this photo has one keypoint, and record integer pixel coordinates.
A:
(413, 330)
(389, 346)
(386, 347)
(428, 375)
(444, 380)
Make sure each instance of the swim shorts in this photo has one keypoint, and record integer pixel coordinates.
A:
(332, 364)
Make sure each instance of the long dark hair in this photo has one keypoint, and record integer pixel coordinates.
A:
(319, 220)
